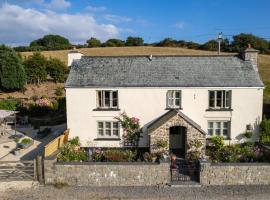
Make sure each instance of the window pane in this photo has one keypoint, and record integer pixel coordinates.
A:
(218, 125)
(170, 94)
(228, 99)
(210, 131)
(219, 99)
(108, 125)
(177, 94)
(115, 125)
(108, 132)
(225, 124)
(116, 132)
(177, 102)
(115, 99)
(217, 132)
(225, 132)
(100, 132)
(170, 102)
(99, 99)
(212, 99)
(100, 124)
(210, 124)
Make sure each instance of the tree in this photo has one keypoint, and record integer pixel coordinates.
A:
(51, 42)
(167, 42)
(56, 69)
(12, 72)
(134, 41)
(242, 40)
(93, 42)
(114, 43)
(211, 45)
(35, 66)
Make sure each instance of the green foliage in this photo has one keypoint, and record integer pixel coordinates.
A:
(69, 152)
(113, 155)
(93, 42)
(51, 42)
(9, 104)
(25, 141)
(217, 141)
(265, 131)
(134, 41)
(114, 43)
(59, 91)
(35, 66)
(12, 72)
(56, 69)
(161, 144)
(242, 40)
(75, 141)
(248, 134)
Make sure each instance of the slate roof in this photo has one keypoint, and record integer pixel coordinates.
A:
(163, 71)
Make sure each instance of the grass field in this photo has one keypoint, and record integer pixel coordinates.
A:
(264, 60)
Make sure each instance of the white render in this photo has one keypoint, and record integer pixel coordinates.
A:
(149, 103)
(73, 55)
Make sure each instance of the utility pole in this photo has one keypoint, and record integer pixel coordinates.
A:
(219, 41)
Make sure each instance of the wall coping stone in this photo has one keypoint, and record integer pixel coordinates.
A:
(235, 164)
(108, 163)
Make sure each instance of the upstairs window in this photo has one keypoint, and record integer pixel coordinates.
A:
(108, 129)
(174, 99)
(107, 99)
(219, 99)
(220, 128)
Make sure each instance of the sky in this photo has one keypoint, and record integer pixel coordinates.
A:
(22, 21)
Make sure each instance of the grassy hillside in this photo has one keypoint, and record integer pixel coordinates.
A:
(264, 60)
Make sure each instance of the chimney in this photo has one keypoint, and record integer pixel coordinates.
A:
(250, 54)
(73, 55)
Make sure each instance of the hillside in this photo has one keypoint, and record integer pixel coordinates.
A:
(264, 60)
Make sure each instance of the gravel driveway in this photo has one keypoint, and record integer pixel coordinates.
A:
(87, 193)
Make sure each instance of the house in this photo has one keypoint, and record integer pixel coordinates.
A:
(176, 98)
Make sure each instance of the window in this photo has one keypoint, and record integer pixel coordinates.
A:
(174, 99)
(220, 128)
(107, 99)
(220, 99)
(108, 129)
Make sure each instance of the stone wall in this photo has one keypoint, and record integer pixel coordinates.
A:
(106, 174)
(235, 173)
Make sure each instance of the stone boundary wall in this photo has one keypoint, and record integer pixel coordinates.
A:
(234, 173)
(106, 174)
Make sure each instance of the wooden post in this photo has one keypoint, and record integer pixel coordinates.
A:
(39, 169)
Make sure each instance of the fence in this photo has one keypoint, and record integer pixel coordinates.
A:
(55, 144)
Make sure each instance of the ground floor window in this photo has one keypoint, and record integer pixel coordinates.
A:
(220, 128)
(108, 129)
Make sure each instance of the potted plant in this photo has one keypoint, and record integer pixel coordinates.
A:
(25, 143)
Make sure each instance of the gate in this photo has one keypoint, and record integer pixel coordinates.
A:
(17, 170)
(184, 171)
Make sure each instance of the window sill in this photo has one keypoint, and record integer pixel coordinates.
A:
(173, 108)
(219, 109)
(107, 139)
(106, 109)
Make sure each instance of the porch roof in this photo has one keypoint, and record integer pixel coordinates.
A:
(168, 115)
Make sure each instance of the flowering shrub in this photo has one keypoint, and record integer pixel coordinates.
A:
(113, 155)
(43, 103)
(131, 127)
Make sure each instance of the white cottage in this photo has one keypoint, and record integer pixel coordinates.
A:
(179, 97)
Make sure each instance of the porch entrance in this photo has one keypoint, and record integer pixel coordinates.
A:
(177, 141)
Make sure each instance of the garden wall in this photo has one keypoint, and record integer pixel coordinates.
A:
(106, 174)
(235, 173)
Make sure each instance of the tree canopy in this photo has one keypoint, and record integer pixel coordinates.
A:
(12, 73)
(51, 42)
(93, 42)
(56, 69)
(134, 41)
(114, 43)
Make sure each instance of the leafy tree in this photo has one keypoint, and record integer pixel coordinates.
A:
(93, 42)
(242, 40)
(56, 69)
(211, 45)
(12, 73)
(51, 42)
(134, 41)
(35, 66)
(167, 42)
(114, 43)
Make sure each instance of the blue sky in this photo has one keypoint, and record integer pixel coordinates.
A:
(21, 21)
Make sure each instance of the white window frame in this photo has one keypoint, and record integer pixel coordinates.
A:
(221, 129)
(225, 96)
(171, 97)
(112, 129)
(101, 102)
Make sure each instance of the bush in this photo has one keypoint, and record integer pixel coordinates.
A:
(75, 141)
(69, 153)
(218, 142)
(26, 141)
(9, 104)
(248, 134)
(113, 155)
(265, 131)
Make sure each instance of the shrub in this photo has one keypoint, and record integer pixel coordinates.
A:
(217, 141)
(248, 134)
(59, 91)
(56, 69)
(69, 153)
(26, 141)
(9, 104)
(119, 155)
(265, 131)
(75, 141)
(161, 144)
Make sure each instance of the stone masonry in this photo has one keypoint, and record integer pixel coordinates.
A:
(106, 174)
(235, 174)
(161, 131)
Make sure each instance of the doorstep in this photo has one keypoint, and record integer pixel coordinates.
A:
(185, 184)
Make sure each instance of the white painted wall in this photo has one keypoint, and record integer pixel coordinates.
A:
(149, 103)
(73, 56)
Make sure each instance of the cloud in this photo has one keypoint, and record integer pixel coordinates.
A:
(95, 9)
(117, 19)
(179, 25)
(58, 4)
(19, 26)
